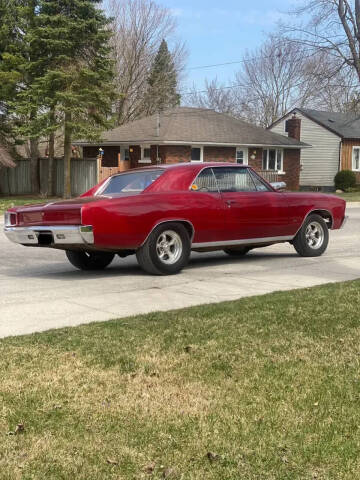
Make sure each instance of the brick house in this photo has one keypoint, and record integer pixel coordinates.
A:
(199, 135)
(335, 140)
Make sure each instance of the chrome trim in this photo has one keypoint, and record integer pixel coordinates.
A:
(61, 235)
(343, 223)
(182, 220)
(244, 241)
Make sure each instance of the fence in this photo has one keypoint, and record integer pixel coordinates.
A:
(17, 181)
(269, 175)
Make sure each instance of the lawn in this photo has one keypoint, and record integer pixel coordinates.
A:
(350, 197)
(8, 202)
(265, 387)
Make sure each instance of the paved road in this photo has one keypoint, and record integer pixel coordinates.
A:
(40, 290)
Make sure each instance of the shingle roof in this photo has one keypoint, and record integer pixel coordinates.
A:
(346, 125)
(195, 125)
(5, 158)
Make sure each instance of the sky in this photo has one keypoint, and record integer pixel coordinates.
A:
(222, 31)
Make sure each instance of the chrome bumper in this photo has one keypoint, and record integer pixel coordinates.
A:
(51, 235)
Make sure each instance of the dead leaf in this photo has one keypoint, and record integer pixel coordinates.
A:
(111, 462)
(212, 456)
(20, 428)
(149, 468)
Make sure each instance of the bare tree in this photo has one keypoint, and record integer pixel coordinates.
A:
(139, 26)
(215, 96)
(332, 27)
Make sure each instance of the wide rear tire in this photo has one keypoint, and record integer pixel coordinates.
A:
(89, 260)
(166, 251)
(313, 237)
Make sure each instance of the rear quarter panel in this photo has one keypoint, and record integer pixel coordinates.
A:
(126, 222)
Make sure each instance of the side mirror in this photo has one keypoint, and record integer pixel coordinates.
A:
(278, 185)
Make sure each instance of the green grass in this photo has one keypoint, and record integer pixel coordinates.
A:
(350, 196)
(8, 202)
(261, 388)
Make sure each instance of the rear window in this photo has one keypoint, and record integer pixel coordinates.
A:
(131, 182)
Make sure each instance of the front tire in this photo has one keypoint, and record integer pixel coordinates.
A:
(89, 260)
(166, 251)
(313, 237)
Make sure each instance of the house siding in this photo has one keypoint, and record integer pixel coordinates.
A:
(320, 163)
(346, 155)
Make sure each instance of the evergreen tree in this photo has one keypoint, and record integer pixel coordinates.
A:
(75, 91)
(162, 90)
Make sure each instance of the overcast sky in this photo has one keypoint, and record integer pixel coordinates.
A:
(221, 31)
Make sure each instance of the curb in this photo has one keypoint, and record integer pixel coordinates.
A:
(352, 204)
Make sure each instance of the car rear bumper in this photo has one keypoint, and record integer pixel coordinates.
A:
(51, 235)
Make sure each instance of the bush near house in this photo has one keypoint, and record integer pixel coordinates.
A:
(344, 180)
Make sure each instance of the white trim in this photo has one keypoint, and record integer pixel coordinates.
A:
(142, 158)
(245, 241)
(201, 153)
(352, 158)
(246, 155)
(281, 171)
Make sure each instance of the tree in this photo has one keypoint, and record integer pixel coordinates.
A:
(138, 28)
(76, 90)
(330, 27)
(20, 65)
(162, 89)
(216, 96)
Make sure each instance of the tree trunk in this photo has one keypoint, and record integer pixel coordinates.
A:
(67, 156)
(34, 166)
(50, 182)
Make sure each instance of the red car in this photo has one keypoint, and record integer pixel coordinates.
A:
(161, 213)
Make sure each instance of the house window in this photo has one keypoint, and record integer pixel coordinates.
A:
(356, 159)
(273, 159)
(242, 156)
(197, 154)
(145, 154)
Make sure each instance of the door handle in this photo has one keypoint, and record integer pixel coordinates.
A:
(230, 202)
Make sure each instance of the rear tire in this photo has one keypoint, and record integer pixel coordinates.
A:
(313, 237)
(89, 260)
(237, 252)
(166, 251)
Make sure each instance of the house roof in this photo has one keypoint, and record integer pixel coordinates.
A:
(346, 125)
(185, 125)
(5, 158)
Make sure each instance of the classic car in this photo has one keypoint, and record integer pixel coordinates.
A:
(160, 213)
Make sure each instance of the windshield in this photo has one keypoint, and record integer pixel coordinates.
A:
(131, 182)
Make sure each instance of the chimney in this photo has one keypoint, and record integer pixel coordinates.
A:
(293, 127)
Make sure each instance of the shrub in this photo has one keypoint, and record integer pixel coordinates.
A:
(345, 179)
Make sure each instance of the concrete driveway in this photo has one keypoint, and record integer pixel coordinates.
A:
(39, 289)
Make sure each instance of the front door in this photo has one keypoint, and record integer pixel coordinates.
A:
(253, 210)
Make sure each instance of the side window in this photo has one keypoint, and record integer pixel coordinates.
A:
(205, 182)
(234, 180)
(260, 186)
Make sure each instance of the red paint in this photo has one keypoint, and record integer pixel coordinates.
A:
(125, 221)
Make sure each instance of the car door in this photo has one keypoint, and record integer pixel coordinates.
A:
(253, 210)
(207, 208)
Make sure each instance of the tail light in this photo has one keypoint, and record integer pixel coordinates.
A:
(10, 219)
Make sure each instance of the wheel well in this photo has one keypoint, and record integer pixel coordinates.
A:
(188, 225)
(325, 214)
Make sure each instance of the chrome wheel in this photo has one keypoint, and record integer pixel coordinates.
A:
(314, 235)
(169, 247)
